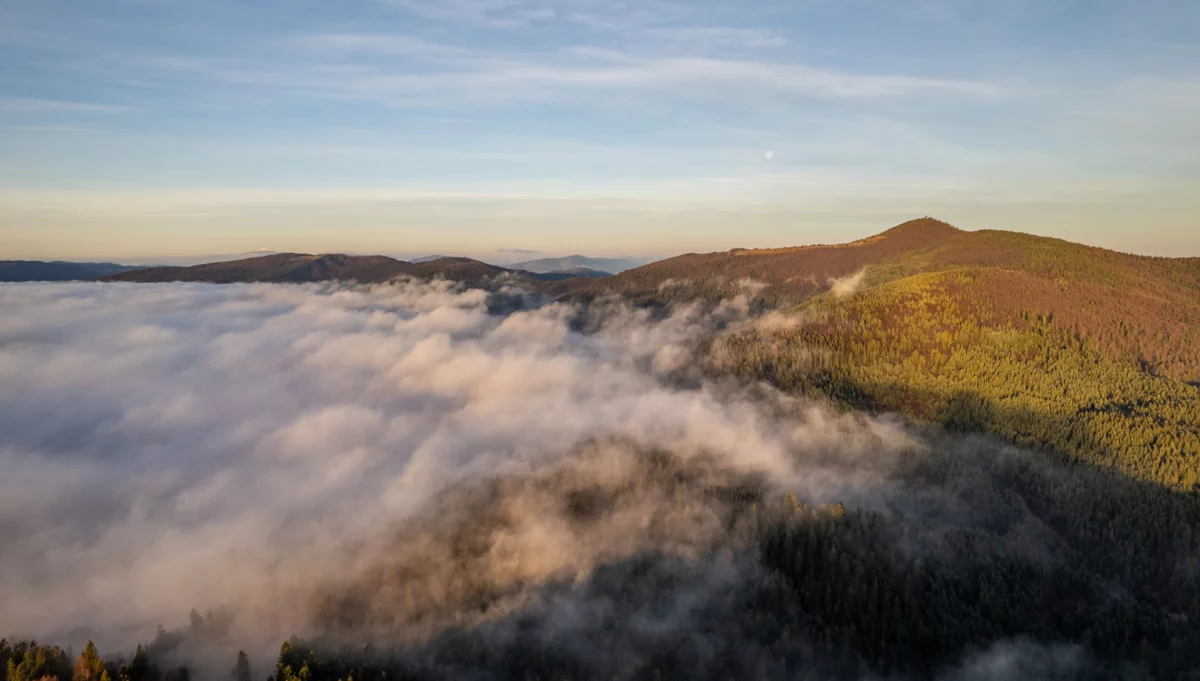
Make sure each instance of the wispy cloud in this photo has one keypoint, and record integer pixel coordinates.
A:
(489, 13)
(458, 74)
(32, 105)
(696, 37)
(377, 43)
(46, 128)
(719, 36)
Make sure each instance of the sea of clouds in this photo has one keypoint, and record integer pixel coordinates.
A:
(241, 448)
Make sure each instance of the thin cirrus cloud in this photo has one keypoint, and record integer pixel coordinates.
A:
(487, 13)
(509, 76)
(34, 105)
(414, 71)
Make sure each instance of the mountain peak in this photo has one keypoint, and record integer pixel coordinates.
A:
(922, 228)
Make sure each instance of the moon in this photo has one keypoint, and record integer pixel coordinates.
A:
(770, 155)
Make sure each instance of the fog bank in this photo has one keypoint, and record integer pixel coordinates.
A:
(166, 445)
(407, 466)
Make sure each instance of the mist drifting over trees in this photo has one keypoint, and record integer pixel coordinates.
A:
(422, 480)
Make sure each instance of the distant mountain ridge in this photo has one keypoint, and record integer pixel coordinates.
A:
(271, 266)
(300, 268)
(581, 273)
(38, 270)
(366, 269)
(572, 262)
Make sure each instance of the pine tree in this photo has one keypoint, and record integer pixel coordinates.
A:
(89, 666)
(241, 671)
(139, 669)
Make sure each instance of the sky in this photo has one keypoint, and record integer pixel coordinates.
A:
(141, 129)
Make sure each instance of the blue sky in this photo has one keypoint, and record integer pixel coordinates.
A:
(172, 128)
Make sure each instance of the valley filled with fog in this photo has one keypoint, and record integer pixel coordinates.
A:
(457, 483)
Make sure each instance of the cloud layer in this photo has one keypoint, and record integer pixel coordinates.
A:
(398, 465)
(165, 445)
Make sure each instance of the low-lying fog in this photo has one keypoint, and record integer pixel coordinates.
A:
(376, 462)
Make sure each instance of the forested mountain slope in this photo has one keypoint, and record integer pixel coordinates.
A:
(1080, 350)
(1145, 309)
(930, 347)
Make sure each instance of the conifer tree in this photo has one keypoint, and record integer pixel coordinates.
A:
(241, 671)
(89, 666)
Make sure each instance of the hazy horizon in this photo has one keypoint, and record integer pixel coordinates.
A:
(501, 257)
(509, 256)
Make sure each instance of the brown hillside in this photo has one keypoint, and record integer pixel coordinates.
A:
(466, 270)
(1145, 309)
(792, 274)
